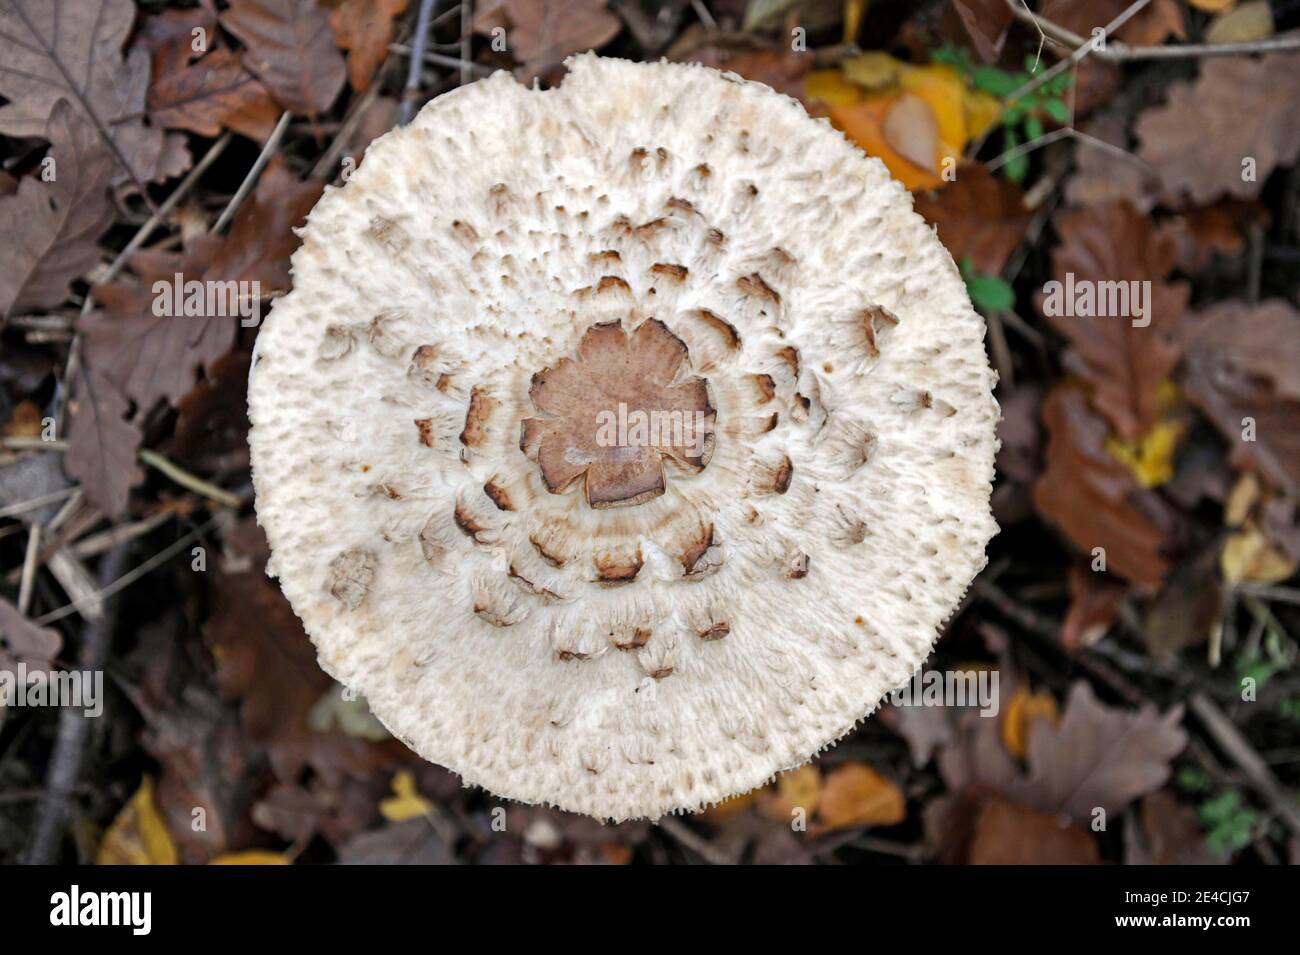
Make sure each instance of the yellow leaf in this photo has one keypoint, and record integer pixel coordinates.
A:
(1151, 456)
(138, 836)
(1241, 500)
(830, 87)
(251, 857)
(942, 89)
(407, 803)
(1246, 24)
(1212, 6)
(874, 70)
(854, 794)
(981, 110)
(798, 789)
(1249, 555)
(1021, 713)
(863, 123)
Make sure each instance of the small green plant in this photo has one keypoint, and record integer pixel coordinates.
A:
(988, 293)
(1230, 825)
(1290, 708)
(1022, 118)
(1192, 779)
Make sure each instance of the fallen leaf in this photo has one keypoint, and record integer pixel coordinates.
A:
(1234, 118)
(986, 23)
(1125, 363)
(406, 801)
(250, 857)
(1246, 23)
(365, 28)
(22, 641)
(1160, 19)
(863, 123)
(102, 444)
(1099, 757)
(138, 835)
(1022, 712)
(910, 128)
(1189, 606)
(924, 728)
(799, 789)
(52, 229)
(1249, 556)
(214, 92)
(1173, 835)
(153, 357)
(73, 52)
(291, 48)
(1094, 498)
(1242, 369)
(1095, 601)
(544, 32)
(1008, 833)
(1101, 177)
(413, 842)
(1203, 232)
(854, 794)
(980, 217)
(212, 420)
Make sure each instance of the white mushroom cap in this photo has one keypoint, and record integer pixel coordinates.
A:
(622, 631)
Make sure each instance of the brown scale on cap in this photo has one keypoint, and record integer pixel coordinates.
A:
(480, 410)
(592, 403)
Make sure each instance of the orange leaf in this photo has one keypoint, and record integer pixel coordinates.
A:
(856, 795)
(863, 123)
(1022, 712)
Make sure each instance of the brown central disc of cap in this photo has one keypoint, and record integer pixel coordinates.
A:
(612, 414)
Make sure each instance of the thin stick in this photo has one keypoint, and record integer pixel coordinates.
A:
(22, 507)
(29, 569)
(74, 726)
(1239, 750)
(187, 480)
(451, 62)
(167, 206)
(96, 544)
(245, 187)
(687, 837)
(705, 16)
(421, 41)
(34, 444)
(1079, 54)
(127, 579)
(466, 23)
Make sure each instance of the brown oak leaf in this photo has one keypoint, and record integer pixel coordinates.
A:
(1242, 369)
(986, 23)
(979, 216)
(53, 228)
(207, 94)
(291, 47)
(543, 32)
(1237, 117)
(22, 641)
(1010, 833)
(152, 356)
(365, 28)
(73, 51)
(102, 444)
(1124, 360)
(1094, 498)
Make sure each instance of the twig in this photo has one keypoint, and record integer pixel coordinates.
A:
(421, 41)
(127, 579)
(29, 569)
(22, 507)
(33, 444)
(74, 725)
(187, 480)
(245, 187)
(95, 544)
(451, 62)
(1288, 595)
(687, 837)
(167, 206)
(705, 16)
(1079, 54)
(1239, 750)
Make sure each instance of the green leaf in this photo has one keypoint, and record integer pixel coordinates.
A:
(1015, 169)
(1057, 109)
(992, 80)
(1033, 127)
(989, 293)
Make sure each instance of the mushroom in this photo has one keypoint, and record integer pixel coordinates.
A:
(624, 443)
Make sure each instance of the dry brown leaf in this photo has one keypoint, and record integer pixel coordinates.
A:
(1094, 498)
(1008, 833)
(365, 28)
(544, 32)
(986, 23)
(1238, 110)
(102, 444)
(1126, 364)
(73, 51)
(1095, 601)
(1098, 757)
(22, 641)
(1102, 177)
(854, 794)
(153, 357)
(291, 48)
(980, 217)
(213, 93)
(1173, 834)
(52, 229)
(1160, 20)
(1242, 367)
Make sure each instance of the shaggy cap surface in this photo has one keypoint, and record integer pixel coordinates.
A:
(623, 443)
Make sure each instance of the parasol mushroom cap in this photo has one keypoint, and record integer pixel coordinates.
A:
(632, 626)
